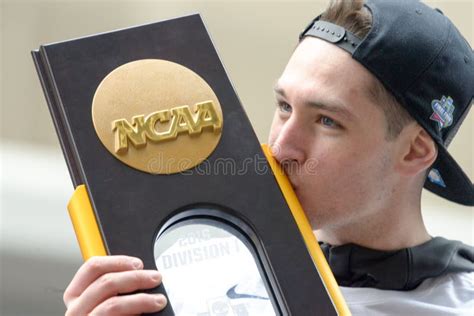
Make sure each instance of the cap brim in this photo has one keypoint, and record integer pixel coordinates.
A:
(454, 185)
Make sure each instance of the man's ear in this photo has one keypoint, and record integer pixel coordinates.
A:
(418, 150)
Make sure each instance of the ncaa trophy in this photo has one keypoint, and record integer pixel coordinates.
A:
(167, 168)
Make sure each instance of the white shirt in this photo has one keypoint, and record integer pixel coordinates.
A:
(451, 294)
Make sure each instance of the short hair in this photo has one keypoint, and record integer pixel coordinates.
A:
(356, 18)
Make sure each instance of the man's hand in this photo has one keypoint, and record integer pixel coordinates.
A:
(97, 284)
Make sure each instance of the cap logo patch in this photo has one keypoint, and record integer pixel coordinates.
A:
(442, 112)
(435, 177)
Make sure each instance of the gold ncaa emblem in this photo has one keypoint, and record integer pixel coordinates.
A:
(157, 116)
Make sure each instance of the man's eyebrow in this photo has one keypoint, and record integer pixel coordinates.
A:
(279, 90)
(328, 105)
(332, 106)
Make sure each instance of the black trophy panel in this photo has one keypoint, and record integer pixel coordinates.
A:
(131, 205)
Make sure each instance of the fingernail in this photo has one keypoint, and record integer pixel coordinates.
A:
(155, 276)
(160, 299)
(137, 264)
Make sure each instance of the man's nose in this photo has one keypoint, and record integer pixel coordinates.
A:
(288, 146)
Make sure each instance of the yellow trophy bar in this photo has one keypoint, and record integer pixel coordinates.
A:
(308, 235)
(85, 224)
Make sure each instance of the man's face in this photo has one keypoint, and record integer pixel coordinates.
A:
(329, 135)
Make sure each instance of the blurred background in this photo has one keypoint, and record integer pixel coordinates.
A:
(38, 249)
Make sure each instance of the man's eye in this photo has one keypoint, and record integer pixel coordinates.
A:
(329, 122)
(284, 107)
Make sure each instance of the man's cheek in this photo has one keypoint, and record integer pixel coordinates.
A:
(324, 157)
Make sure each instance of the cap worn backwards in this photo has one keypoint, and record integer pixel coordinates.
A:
(430, 72)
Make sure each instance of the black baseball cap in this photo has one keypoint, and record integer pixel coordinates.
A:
(423, 60)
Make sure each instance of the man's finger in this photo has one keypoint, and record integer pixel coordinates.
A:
(135, 304)
(112, 284)
(96, 267)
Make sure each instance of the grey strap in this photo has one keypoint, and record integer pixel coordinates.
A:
(332, 33)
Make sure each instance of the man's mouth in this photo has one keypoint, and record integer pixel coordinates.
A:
(293, 184)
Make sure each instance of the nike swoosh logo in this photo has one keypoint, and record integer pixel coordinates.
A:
(234, 295)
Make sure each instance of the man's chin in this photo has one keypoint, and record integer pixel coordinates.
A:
(316, 224)
(319, 221)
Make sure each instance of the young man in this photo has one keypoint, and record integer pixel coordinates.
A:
(372, 99)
